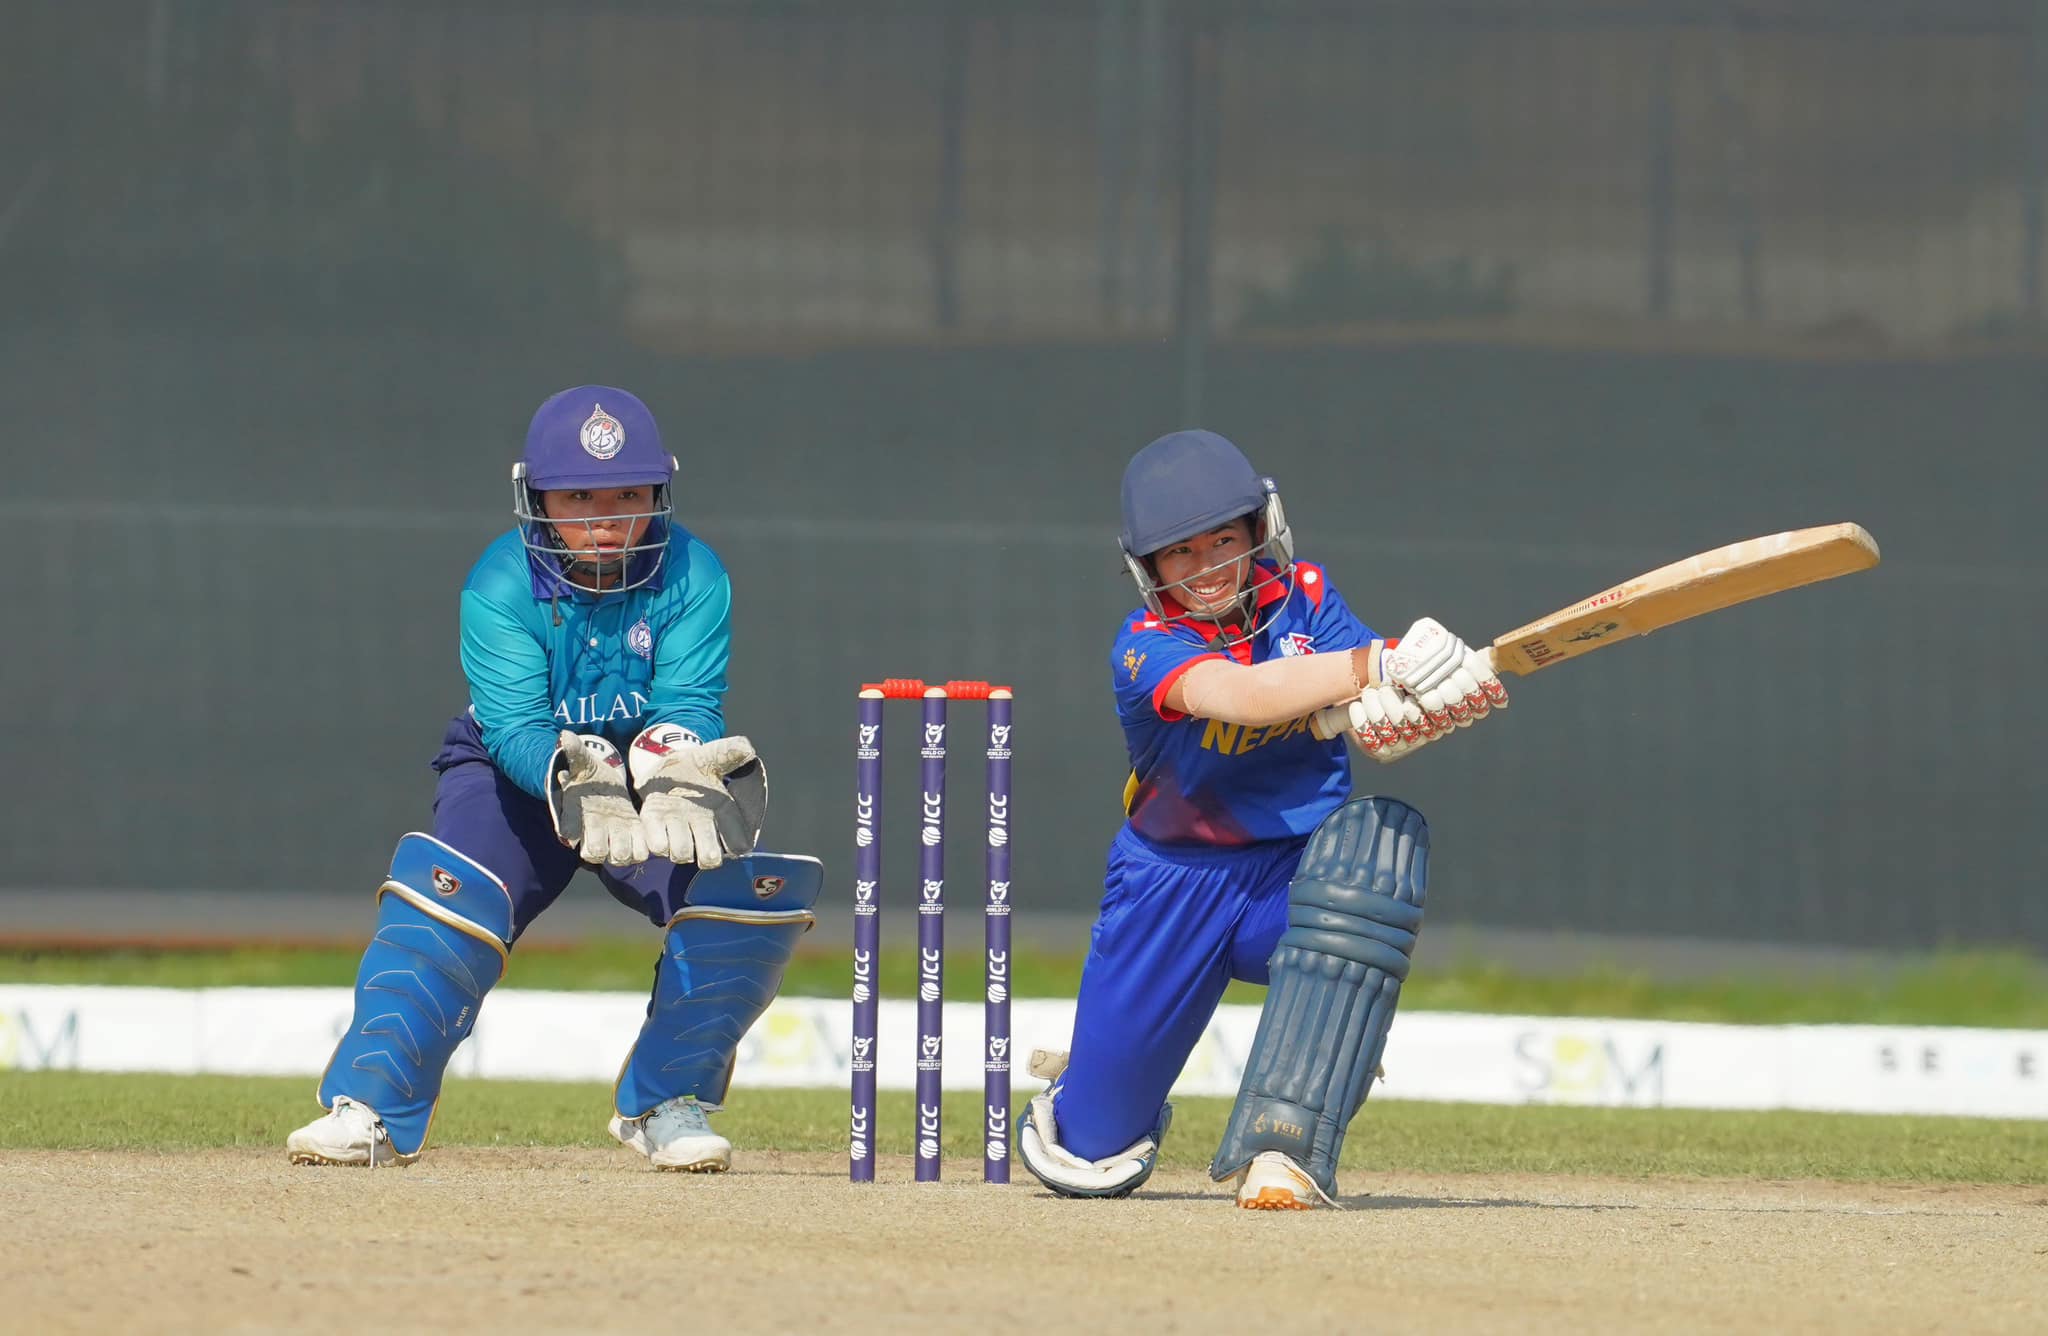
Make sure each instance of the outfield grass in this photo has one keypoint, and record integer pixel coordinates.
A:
(1994, 989)
(94, 1111)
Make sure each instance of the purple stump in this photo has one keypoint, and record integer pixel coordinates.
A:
(931, 934)
(867, 930)
(995, 1063)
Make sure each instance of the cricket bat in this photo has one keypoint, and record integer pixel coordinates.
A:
(1699, 584)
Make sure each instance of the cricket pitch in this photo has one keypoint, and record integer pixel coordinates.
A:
(474, 1239)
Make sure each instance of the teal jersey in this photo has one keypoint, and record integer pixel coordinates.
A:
(542, 655)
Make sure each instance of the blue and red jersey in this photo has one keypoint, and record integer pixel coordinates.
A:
(1205, 784)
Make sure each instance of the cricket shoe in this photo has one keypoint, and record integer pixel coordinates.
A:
(1272, 1182)
(348, 1133)
(675, 1134)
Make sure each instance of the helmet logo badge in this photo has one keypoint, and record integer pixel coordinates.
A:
(602, 436)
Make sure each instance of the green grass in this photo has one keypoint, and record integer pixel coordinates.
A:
(1994, 989)
(91, 1111)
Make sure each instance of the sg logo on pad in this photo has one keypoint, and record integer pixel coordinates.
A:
(445, 882)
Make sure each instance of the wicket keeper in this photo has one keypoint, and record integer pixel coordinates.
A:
(594, 636)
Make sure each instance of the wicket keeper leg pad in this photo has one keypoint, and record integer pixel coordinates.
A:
(722, 962)
(1354, 908)
(444, 928)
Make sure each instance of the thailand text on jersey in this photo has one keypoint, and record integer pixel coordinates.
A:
(542, 655)
(1205, 783)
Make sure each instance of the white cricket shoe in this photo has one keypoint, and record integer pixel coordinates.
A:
(349, 1133)
(1273, 1182)
(675, 1134)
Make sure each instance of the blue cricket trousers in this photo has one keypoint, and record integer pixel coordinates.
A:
(1175, 927)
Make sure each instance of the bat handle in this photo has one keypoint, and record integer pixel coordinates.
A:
(1505, 659)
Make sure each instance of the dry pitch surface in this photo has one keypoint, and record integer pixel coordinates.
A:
(586, 1240)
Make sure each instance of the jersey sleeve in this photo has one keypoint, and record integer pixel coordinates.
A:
(507, 670)
(692, 652)
(1145, 663)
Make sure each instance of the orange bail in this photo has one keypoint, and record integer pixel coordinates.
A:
(914, 688)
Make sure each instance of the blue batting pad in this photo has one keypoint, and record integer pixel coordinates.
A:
(443, 926)
(722, 962)
(1354, 908)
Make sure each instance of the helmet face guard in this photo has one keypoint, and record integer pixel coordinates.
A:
(1272, 558)
(635, 564)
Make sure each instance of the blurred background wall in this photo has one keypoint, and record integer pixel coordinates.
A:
(1513, 299)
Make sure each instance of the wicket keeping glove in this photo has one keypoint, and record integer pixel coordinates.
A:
(699, 801)
(592, 807)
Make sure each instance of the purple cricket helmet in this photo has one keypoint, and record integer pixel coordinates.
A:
(1187, 483)
(595, 438)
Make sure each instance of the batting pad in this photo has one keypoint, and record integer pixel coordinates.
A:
(443, 927)
(1354, 908)
(721, 965)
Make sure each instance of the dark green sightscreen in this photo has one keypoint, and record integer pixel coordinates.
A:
(1514, 300)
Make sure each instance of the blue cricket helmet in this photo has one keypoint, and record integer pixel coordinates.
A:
(594, 438)
(1187, 483)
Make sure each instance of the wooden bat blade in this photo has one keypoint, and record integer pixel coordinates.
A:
(1699, 584)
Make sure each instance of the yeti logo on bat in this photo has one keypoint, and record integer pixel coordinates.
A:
(1594, 632)
(446, 882)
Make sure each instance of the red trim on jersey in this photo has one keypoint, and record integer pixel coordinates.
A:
(1312, 579)
(1173, 675)
(1277, 588)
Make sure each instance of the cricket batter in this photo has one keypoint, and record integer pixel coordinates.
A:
(594, 637)
(1240, 858)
